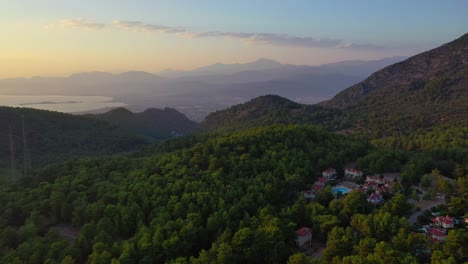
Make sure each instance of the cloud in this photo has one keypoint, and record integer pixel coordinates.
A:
(252, 38)
(140, 26)
(76, 23)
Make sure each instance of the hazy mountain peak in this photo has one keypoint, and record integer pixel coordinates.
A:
(266, 61)
(119, 111)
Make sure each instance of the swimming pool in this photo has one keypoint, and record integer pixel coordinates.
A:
(340, 189)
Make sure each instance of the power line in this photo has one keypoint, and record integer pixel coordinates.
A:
(12, 154)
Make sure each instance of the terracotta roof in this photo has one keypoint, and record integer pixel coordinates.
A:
(352, 170)
(374, 178)
(303, 231)
(317, 187)
(384, 189)
(437, 232)
(370, 183)
(444, 219)
(322, 179)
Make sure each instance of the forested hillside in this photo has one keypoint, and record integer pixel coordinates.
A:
(52, 137)
(155, 124)
(426, 90)
(218, 198)
(269, 110)
(221, 200)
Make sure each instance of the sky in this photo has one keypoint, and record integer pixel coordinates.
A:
(61, 37)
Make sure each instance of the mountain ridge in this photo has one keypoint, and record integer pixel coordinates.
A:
(431, 88)
(269, 110)
(152, 123)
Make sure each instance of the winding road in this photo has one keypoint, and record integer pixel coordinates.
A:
(412, 219)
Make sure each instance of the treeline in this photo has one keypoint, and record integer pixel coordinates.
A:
(440, 138)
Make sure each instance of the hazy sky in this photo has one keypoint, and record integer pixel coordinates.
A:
(57, 37)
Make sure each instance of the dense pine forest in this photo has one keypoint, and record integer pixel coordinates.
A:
(52, 137)
(224, 198)
(221, 198)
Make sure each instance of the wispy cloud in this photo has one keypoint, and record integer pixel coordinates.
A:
(76, 23)
(140, 26)
(252, 38)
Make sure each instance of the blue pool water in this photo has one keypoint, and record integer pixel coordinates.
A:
(340, 189)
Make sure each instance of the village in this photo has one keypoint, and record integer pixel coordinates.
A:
(378, 189)
(375, 187)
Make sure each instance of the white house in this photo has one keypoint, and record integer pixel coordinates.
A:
(444, 221)
(304, 235)
(353, 173)
(329, 173)
(375, 179)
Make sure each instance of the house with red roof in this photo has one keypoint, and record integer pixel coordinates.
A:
(330, 173)
(371, 185)
(375, 179)
(375, 198)
(303, 236)
(353, 174)
(437, 234)
(385, 189)
(444, 221)
(317, 187)
(321, 180)
(363, 189)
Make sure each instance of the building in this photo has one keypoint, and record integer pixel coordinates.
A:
(385, 189)
(303, 236)
(375, 198)
(309, 194)
(371, 185)
(317, 187)
(375, 179)
(353, 174)
(444, 221)
(330, 174)
(437, 234)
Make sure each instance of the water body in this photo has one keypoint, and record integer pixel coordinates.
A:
(340, 189)
(60, 103)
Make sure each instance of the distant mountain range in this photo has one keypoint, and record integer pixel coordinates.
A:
(201, 91)
(274, 69)
(425, 91)
(220, 68)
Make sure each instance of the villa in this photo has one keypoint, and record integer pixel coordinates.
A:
(330, 174)
(375, 179)
(371, 185)
(444, 221)
(353, 174)
(437, 234)
(375, 198)
(303, 236)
